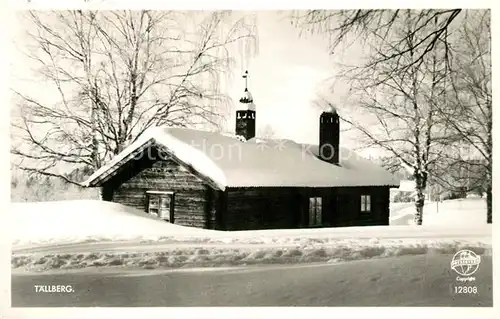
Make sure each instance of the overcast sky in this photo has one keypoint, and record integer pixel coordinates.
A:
(284, 78)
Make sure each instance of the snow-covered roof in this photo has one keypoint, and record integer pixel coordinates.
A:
(246, 101)
(247, 97)
(230, 162)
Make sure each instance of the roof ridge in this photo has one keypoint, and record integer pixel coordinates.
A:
(205, 150)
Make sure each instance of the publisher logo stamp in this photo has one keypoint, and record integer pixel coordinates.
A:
(465, 262)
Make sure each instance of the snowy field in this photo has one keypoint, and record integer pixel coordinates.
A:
(86, 220)
(86, 233)
(449, 213)
(418, 280)
(94, 221)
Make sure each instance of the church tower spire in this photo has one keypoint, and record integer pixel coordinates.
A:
(245, 117)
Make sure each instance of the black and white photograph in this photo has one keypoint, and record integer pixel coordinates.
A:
(224, 157)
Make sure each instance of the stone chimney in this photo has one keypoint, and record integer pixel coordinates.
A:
(329, 135)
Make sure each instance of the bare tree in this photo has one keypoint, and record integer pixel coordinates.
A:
(468, 107)
(113, 74)
(459, 64)
(375, 29)
(399, 108)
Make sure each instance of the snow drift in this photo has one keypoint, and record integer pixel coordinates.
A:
(94, 221)
(86, 233)
(85, 220)
(226, 257)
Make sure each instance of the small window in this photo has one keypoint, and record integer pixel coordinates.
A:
(315, 211)
(365, 203)
(160, 204)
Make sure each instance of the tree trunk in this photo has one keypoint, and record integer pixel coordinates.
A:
(489, 217)
(93, 119)
(489, 195)
(419, 205)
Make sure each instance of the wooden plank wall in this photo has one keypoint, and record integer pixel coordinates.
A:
(261, 208)
(199, 205)
(349, 205)
(274, 208)
(191, 194)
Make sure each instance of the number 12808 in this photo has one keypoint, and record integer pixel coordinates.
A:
(465, 289)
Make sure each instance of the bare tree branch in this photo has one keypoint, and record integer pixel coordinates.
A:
(113, 74)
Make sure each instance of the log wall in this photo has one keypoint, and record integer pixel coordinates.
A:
(197, 204)
(281, 208)
(192, 198)
(261, 208)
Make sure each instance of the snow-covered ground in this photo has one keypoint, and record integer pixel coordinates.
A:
(93, 221)
(86, 233)
(450, 213)
(86, 220)
(418, 280)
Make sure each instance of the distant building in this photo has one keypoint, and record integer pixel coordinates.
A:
(406, 192)
(216, 181)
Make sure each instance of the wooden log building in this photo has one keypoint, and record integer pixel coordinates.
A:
(225, 182)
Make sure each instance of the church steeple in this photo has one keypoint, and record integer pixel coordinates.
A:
(245, 117)
(247, 98)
